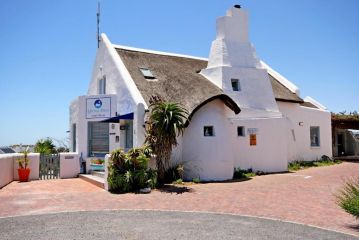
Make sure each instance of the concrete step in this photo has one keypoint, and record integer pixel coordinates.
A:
(98, 174)
(95, 180)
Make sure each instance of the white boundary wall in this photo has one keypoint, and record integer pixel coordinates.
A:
(69, 166)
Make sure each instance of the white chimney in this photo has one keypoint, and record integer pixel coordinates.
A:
(233, 59)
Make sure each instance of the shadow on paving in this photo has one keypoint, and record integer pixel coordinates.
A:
(169, 188)
(156, 225)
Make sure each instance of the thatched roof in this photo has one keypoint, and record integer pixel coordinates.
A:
(345, 121)
(282, 93)
(308, 104)
(178, 80)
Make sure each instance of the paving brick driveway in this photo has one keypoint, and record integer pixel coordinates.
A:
(304, 197)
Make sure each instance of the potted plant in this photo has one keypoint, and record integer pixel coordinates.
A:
(23, 169)
(97, 165)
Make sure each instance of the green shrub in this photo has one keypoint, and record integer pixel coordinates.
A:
(129, 171)
(348, 197)
(324, 161)
(196, 180)
(174, 173)
(239, 173)
(178, 181)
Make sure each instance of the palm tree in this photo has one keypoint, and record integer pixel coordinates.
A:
(45, 146)
(166, 122)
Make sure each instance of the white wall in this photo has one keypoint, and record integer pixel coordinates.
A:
(270, 153)
(300, 148)
(69, 165)
(6, 168)
(209, 158)
(118, 80)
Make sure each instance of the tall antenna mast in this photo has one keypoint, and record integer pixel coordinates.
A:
(98, 25)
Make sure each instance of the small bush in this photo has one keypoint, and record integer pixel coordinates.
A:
(196, 180)
(348, 197)
(174, 173)
(178, 181)
(129, 171)
(239, 173)
(324, 161)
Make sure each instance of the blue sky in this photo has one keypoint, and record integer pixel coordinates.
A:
(47, 50)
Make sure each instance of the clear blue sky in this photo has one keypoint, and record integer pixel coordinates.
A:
(47, 50)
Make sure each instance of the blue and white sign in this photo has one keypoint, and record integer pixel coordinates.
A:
(98, 107)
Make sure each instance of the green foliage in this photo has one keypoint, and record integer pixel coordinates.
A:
(166, 122)
(345, 116)
(129, 171)
(174, 173)
(239, 173)
(196, 180)
(24, 161)
(97, 161)
(45, 146)
(348, 197)
(178, 181)
(324, 161)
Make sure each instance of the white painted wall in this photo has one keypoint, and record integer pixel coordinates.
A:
(270, 153)
(209, 158)
(6, 169)
(301, 149)
(69, 165)
(118, 80)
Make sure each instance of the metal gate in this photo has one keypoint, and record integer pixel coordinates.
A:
(49, 166)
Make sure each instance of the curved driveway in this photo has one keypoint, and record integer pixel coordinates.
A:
(304, 197)
(155, 225)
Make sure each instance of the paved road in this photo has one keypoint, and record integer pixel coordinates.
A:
(155, 225)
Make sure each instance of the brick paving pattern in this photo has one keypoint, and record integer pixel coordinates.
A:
(303, 197)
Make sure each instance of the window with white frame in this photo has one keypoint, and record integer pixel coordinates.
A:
(314, 136)
(208, 131)
(235, 85)
(102, 85)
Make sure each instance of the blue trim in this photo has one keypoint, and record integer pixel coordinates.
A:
(128, 116)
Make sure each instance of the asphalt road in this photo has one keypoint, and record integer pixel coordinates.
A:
(155, 225)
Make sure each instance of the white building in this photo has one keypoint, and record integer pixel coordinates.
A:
(243, 113)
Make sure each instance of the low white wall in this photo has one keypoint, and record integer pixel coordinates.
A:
(107, 157)
(6, 169)
(69, 165)
(34, 159)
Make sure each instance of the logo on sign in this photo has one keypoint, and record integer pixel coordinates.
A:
(97, 103)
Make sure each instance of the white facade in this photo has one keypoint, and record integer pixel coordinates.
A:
(272, 134)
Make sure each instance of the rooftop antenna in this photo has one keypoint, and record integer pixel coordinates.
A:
(98, 25)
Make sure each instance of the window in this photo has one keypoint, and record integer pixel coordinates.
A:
(74, 137)
(240, 131)
(208, 131)
(102, 85)
(314, 137)
(98, 139)
(147, 73)
(235, 85)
